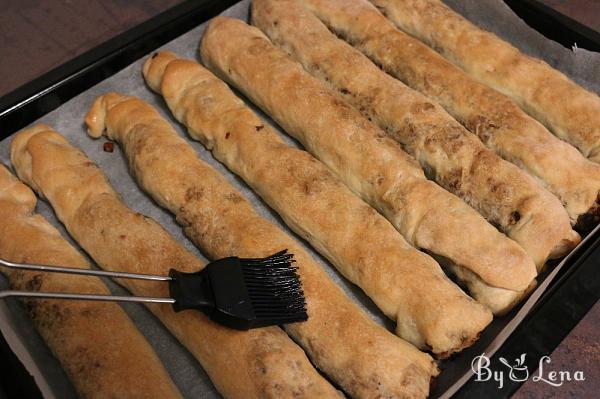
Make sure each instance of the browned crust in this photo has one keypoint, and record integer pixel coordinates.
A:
(371, 164)
(262, 362)
(517, 297)
(569, 110)
(586, 222)
(430, 134)
(98, 346)
(363, 358)
(543, 229)
(498, 122)
(423, 127)
(302, 190)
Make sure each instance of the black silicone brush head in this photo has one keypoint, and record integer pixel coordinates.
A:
(274, 289)
(243, 293)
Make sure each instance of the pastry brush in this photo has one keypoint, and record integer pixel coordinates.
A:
(236, 292)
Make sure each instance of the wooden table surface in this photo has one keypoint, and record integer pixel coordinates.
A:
(37, 35)
(586, 12)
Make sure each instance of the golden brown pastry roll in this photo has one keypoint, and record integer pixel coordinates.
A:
(569, 110)
(407, 285)
(537, 222)
(101, 350)
(371, 164)
(365, 359)
(456, 158)
(260, 363)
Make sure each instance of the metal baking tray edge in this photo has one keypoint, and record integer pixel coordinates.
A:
(572, 293)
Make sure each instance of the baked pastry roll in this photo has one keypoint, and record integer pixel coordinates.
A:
(455, 158)
(100, 349)
(407, 285)
(569, 110)
(531, 217)
(365, 359)
(371, 164)
(261, 363)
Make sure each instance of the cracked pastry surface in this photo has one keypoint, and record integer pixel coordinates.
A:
(99, 347)
(371, 164)
(365, 359)
(456, 158)
(263, 362)
(406, 284)
(567, 109)
(537, 222)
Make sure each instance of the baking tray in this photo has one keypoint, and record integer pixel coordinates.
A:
(573, 291)
(556, 26)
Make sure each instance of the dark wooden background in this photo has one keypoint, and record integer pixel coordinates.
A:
(37, 35)
(586, 12)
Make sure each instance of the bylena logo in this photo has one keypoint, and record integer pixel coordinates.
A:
(518, 371)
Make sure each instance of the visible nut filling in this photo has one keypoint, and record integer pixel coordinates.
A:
(108, 146)
(514, 218)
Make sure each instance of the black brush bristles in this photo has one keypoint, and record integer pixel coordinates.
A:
(274, 289)
(243, 293)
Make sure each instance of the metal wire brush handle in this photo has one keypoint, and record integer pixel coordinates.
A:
(84, 272)
(240, 293)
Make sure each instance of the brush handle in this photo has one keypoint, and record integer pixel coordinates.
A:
(191, 291)
(84, 272)
(86, 297)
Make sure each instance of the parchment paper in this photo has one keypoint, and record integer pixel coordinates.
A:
(494, 15)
